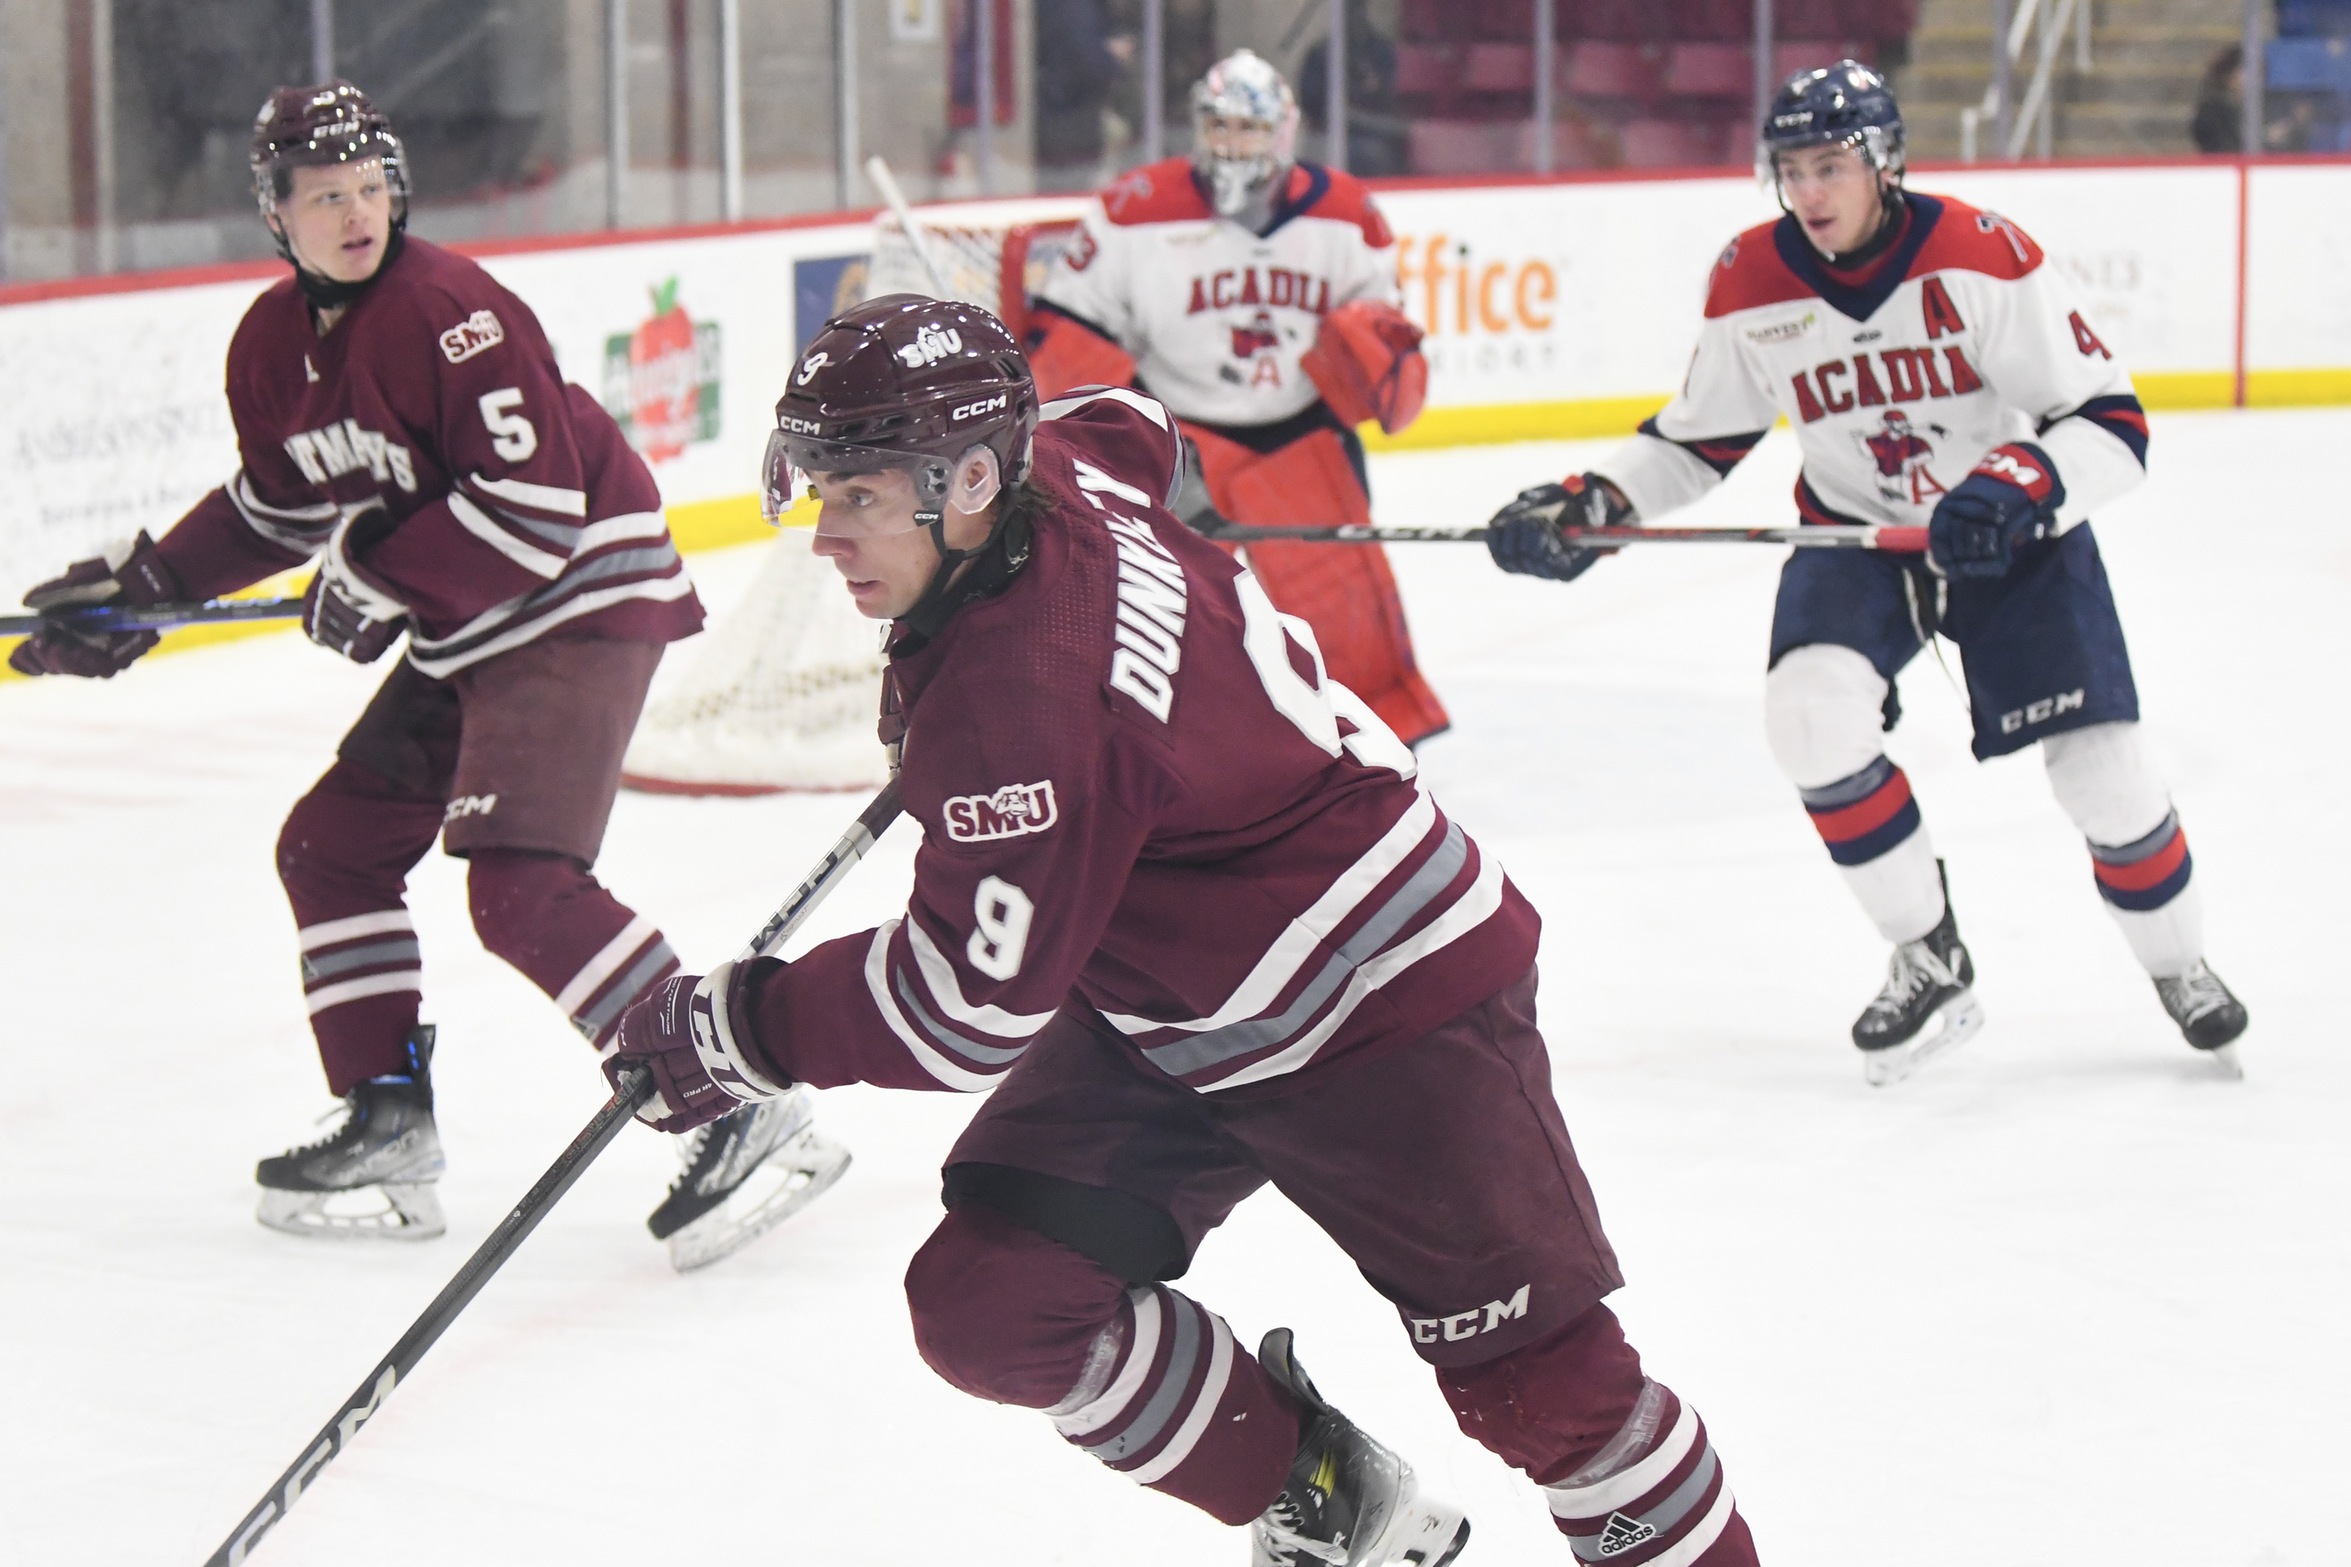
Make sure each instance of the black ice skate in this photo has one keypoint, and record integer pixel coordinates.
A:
(1926, 979)
(2208, 1014)
(745, 1174)
(1350, 1502)
(371, 1177)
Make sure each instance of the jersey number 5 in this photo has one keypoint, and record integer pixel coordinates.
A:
(511, 434)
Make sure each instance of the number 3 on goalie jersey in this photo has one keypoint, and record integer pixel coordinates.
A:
(1314, 707)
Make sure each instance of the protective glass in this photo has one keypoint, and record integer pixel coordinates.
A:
(789, 472)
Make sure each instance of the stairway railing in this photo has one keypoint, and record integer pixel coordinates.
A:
(2044, 23)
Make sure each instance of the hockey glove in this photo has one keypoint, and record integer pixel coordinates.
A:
(140, 577)
(693, 1034)
(1524, 535)
(346, 609)
(2010, 498)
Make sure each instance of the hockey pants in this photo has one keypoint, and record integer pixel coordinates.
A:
(1344, 591)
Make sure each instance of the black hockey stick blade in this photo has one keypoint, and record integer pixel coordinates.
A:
(491, 1255)
(536, 1203)
(99, 619)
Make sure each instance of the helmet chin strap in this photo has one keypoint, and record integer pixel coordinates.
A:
(968, 493)
(326, 293)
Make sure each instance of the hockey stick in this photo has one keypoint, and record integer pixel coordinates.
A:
(516, 1227)
(887, 183)
(154, 617)
(1902, 541)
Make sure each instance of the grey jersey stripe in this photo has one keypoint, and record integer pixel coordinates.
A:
(1145, 1428)
(575, 578)
(1194, 1052)
(316, 969)
(990, 1054)
(1666, 1516)
(593, 1020)
(1851, 788)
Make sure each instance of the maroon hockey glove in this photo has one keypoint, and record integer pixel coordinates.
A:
(2009, 498)
(346, 609)
(692, 1032)
(143, 577)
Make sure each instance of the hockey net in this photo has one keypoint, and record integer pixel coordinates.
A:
(784, 691)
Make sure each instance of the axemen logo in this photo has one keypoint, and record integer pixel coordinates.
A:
(326, 455)
(1011, 812)
(661, 380)
(472, 335)
(1901, 454)
(932, 343)
(1466, 1324)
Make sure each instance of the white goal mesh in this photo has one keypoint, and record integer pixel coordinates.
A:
(784, 691)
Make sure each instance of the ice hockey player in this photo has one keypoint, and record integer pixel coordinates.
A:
(1255, 295)
(401, 418)
(1180, 903)
(1936, 371)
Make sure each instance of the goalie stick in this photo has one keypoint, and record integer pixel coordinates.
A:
(516, 1227)
(154, 617)
(1865, 536)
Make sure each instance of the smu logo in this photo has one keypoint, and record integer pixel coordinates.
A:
(1011, 812)
(471, 336)
(931, 344)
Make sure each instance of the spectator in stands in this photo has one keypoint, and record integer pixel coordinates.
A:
(1080, 63)
(2218, 125)
(1376, 131)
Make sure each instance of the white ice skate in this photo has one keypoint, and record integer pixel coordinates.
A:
(745, 1174)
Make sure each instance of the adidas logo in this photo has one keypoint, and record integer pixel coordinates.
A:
(1621, 1534)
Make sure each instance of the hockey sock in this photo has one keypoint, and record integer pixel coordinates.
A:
(2138, 853)
(547, 916)
(1169, 1400)
(1870, 822)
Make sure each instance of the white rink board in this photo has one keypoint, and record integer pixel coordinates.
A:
(111, 416)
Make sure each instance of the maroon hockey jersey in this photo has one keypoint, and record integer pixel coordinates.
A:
(512, 503)
(1137, 792)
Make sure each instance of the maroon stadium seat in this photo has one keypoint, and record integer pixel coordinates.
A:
(1720, 21)
(1806, 55)
(1621, 21)
(1631, 72)
(1663, 144)
(1880, 21)
(1465, 146)
(1806, 19)
(1498, 68)
(1710, 70)
(1426, 70)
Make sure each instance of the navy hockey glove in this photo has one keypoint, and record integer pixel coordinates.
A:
(2010, 498)
(141, 577)
(346, 609)
(693, 1033)
(1524, 535)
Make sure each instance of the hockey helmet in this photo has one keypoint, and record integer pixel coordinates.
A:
(1843, 105)
(1243, 88)
(909, 383)
(310, 126)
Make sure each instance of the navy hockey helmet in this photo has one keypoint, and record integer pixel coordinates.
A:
(1843, 105)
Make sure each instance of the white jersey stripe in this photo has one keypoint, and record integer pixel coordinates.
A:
(1094, 1416)
(604, 965)
(539, 497)
(877, 985)
(328, 932)
(939, 976)
(1187, 1437)
(482, 526)
(359, 989)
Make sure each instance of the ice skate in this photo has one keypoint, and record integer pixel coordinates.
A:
(745, 1174)
(2208, 1013)
(372, 1177)
(1350, 1502)
(1929, 980)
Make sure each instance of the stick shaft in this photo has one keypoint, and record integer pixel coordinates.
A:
(536, 1203)
(884, 181)
(1894, 540)
(153, 617)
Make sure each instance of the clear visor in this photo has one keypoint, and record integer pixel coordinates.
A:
(846, 490)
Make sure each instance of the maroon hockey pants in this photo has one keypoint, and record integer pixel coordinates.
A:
(1442, 1168)
(514, 763)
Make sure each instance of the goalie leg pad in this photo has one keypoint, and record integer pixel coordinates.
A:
(1346, 592)
(1064, 353)
(1366, 362)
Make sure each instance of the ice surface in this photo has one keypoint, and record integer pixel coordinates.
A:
(2066, 1297)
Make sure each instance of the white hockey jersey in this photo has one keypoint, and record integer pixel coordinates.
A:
(1961, 340)
(1216, 317)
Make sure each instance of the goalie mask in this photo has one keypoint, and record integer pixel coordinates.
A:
(311, 127)
(912, 384)
(1244, 134)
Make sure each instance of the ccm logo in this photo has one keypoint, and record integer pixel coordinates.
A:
(1010, 812)
(970, 410)
(2040, 712)
(792, 425)
(470, 805)
(1465, 1324)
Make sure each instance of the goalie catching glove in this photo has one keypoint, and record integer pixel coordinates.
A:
(692, 1034)
(140, 576)
(1366, 362)
(1524, 535)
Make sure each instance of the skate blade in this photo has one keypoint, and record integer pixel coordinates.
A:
(787, 1181)
(2225, 1057)
(1422, 1533)
(393, 1211)
(1960, 1018)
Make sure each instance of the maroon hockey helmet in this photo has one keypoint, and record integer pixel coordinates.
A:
(904, 382)
(310, 126)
